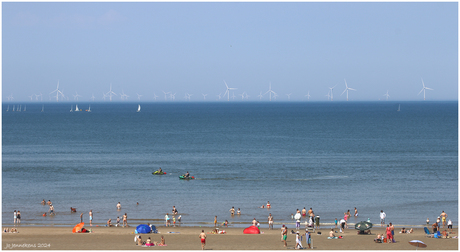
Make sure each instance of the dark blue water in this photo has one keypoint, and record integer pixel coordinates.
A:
(331, 156)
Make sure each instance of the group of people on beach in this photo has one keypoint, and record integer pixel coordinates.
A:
(174, 213)
(138, 240)
(17, 217)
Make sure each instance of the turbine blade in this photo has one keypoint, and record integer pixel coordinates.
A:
(343, 91)
(429, 88)
(421, 91)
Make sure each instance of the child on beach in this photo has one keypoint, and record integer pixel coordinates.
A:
(336, 221)
(174, 221)
(118, 221)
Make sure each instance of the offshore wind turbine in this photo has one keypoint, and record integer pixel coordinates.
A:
(289, 96)
(139, 96)
(155, 96)
(242, 95)
(204, 96)
(31, 97)
(110, 93)
(332, 96)
(260, 96)
(423, 89)
(58, 92)
(166, 94)
(308, 95)
(328, 95)
(92, 97)
(123, 96)
(347, 88)
(75, 97)
(233, 95)
(387, 95)
(270, 91)
(10, 98)
(227, 91)
(219, 96)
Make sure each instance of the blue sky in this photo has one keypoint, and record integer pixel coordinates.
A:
(147, 48)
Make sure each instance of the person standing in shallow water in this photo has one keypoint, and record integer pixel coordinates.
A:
(91, 217)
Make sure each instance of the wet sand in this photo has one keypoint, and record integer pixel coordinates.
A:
(186, 238)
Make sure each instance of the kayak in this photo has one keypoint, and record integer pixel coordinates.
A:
(158, 173)
(183, 177)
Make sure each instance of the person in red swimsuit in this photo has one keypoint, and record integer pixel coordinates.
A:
(203, 239)
(389, 235)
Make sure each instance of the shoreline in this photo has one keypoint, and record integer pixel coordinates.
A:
(186, 238)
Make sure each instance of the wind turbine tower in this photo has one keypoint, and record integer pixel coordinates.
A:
(270, 91)
(387, 95)
(227, 91)
(332, 96)
(58, 92)
(346, 89)
(423, 89)
(110, 93)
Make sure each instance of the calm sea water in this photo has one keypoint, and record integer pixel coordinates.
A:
(329, 156)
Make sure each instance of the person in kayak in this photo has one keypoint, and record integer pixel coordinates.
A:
(187, 175)
(160, 170)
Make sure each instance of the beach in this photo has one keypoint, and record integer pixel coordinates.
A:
(186, 238)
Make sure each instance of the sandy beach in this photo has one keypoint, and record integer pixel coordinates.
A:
(186, 238)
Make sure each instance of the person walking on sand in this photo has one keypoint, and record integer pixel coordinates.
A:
(282, 231)
(285, 236)
(15, 217)
(270, 221)
(297, 218)
(215, 221)
(202, 236)
(382, 217)
(125, 220)
(308, 239)
(443, 217)
(81, 217)
(449, 225)
(91, 217)
(298, 242)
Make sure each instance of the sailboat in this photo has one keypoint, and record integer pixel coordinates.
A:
(76, 108)
(43, 108)
(25, 108)
(71, 108)
(13, 108)
(399, 108)
(7, 109)
(89, 109)
(138, 108)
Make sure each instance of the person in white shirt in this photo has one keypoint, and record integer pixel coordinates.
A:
(382, 217)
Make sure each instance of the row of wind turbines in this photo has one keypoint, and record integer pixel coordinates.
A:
(169, 96)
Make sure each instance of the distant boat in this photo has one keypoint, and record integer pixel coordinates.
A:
(138, 108)
(76, 108)
(25, 108)
(399, 108)
(7, 109)
(43, 108)
(71, 108)
(89, 109)
(13, 108)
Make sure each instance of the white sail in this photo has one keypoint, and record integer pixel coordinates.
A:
(8, 108)
(89, 109)
(399, 107)
(76, 108)
(43, 108)
(71, 108)
(138, 108)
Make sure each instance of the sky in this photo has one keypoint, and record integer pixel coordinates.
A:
(298, 48)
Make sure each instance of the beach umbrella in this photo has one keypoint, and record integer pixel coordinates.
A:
(417, 244)
(78, 227)
(363, 225)
(143, 229)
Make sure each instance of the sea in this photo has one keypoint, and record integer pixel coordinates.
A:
(328, 156)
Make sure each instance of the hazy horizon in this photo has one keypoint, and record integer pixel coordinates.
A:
(301, 48)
